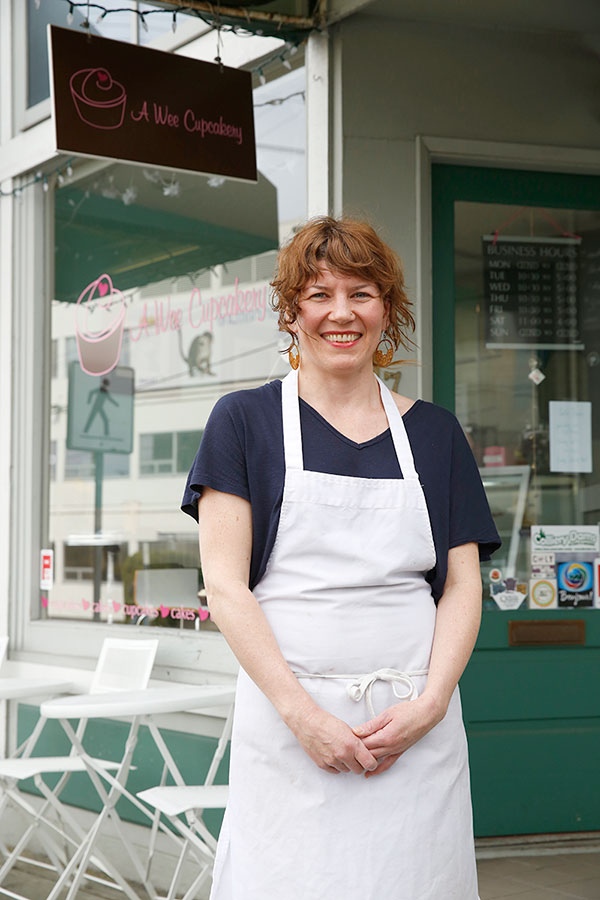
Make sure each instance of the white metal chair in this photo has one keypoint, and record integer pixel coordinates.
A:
(196, 841)
(123, 665)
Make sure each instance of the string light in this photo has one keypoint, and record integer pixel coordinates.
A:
(272, 27)
(60, 172)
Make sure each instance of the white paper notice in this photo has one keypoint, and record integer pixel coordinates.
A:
(570, 436)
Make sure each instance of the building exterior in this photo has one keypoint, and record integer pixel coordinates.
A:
(470, 137)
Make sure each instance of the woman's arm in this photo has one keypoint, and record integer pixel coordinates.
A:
(457, 623)
(225, 548)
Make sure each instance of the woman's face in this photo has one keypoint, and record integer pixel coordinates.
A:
(340, 320)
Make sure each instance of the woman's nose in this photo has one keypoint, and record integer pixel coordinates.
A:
(341, 309)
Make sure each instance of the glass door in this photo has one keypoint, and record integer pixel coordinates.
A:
(517, 358)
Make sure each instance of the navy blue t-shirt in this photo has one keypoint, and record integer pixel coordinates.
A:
(241, 453)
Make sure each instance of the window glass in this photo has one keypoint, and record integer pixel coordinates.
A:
(527, 331)
(118, 25)
(161, 305)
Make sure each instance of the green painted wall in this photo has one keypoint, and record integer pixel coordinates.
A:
(105, 738)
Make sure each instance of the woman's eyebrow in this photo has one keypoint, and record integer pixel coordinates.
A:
(355, 287)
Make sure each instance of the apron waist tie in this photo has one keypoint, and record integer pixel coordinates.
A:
(361, 685)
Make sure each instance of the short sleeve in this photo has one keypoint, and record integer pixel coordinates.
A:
(220, 462)
(470, 516)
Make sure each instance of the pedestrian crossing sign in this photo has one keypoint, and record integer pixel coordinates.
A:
(100, 410)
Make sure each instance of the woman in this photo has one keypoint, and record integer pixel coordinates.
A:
(351, 616)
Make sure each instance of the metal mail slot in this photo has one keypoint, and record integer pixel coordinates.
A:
(528, 633)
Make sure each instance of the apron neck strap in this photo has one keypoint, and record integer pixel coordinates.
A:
(292, 432)
(399, 435)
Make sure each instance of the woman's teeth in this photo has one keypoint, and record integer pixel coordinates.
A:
(342, 338)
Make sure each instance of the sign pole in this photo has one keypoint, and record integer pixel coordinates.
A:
(99, 472)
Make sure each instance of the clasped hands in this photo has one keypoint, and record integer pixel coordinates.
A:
(371, 748)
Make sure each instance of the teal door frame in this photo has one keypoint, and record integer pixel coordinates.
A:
(532, 714)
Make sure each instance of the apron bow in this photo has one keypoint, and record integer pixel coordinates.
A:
(363, 685)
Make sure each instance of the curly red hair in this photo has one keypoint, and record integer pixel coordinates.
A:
(349, 247)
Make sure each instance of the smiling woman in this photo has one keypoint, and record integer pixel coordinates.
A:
(339, 533)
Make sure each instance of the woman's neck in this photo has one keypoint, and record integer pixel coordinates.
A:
(339, 390)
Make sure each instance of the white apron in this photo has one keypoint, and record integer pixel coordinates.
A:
(345, 594)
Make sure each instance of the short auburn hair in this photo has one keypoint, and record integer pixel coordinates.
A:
(350, 248)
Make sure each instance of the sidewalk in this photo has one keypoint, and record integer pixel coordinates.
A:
(559, 876)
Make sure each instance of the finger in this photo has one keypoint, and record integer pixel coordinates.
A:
(377, 741)
(355, 766)
(372, 725)
(386, 763)
(365, 759)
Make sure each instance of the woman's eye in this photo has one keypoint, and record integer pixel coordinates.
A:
(318, 295)
(362, 295)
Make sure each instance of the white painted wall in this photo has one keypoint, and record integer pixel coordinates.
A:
(400, 80)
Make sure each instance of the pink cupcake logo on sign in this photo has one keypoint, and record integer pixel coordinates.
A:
(98, 98)
(99, 323)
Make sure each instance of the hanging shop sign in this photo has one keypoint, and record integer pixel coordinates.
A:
(531, 293)
(124, 102)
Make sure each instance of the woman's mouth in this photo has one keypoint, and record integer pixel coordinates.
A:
(342, 337)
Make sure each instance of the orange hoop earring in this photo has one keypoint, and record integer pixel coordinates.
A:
(294, 357)
(383, 358)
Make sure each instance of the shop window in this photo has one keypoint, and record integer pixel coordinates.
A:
(157, 456)
(265, 266)
(161, 454)
(54, 12)
(187, 446)
(79, 562)
(80, 464)
(240, 270)
(189, 310)
(52, 461)
(527, 329)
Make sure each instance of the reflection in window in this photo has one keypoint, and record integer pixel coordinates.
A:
(165, 453)
(52, 460)
(80, 464)
(78, 562)
(54, 12)
(70, 350)
(156, 454)
(193, 268)
(527, 329)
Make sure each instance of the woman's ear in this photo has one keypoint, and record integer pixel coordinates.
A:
(386, 314)
(292, 326)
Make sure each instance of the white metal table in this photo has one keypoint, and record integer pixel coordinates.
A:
(140, 707)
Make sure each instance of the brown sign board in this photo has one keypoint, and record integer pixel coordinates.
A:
(124, 102)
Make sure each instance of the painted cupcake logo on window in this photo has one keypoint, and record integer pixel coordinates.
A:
(99, 323)
(98, 98)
